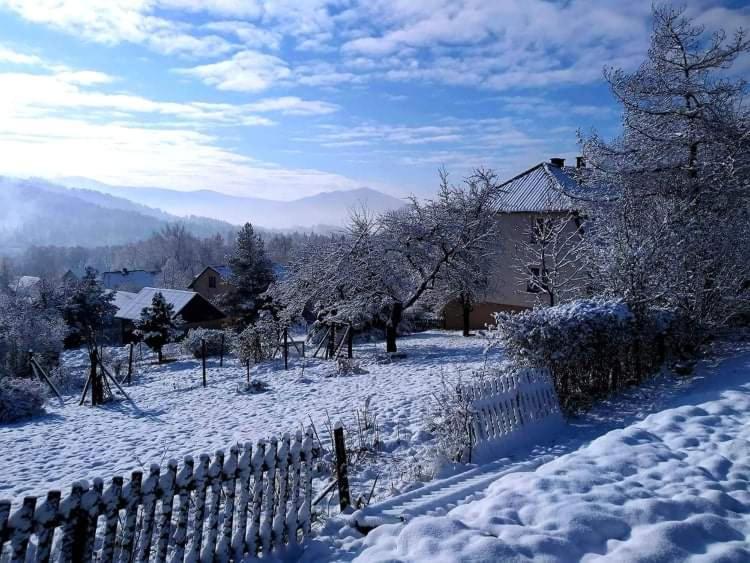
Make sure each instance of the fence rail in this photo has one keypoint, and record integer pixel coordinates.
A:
(254, 501)
(512, 408)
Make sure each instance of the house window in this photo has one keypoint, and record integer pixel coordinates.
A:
(534, 283)
(538, 280)
(212, 282)
(538, 229)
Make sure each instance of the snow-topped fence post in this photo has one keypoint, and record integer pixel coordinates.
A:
(342, 472)
(255, 501)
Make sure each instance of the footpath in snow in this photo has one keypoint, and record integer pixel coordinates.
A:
(667, 486)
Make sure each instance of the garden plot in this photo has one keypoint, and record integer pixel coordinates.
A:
(171, 415)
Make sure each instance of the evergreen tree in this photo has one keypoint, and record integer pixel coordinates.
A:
(156, 324)
(252, 273)
(87, 311)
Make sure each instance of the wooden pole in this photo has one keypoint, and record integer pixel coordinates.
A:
(130, 364)
(248, 370)
(286, 349)
(41, 374)
(203, 354)
(350, 343)
(221, 352)
(342, 476)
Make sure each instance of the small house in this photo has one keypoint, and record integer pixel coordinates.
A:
(212, 282)
(191, 310)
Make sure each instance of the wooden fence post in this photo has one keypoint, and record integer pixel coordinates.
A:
(221, 352)
(203, 354)
(286, 349)
(350, 343)
(248, 370)
(130, 364)
(341, 467)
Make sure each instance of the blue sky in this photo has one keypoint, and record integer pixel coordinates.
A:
(283, 99)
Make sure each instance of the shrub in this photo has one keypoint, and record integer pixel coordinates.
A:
(451, 420)
(256, 343)
(20, 398)
(191, 344)
(592, 347)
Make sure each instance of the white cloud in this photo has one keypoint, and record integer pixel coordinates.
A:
(292, 105)
(115, 21)
(246, 71)
(8, 55)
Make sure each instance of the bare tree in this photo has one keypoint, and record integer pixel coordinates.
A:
(548, 257)
(383, 265)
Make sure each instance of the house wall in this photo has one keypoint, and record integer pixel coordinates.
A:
(507, 289)
(201, 285)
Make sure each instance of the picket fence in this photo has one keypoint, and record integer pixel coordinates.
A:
(255, 501)
(513, 408)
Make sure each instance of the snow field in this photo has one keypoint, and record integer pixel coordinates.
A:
(673, 487)
(174, 415)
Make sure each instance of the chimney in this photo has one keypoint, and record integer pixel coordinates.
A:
(558, 162)
(580, 162)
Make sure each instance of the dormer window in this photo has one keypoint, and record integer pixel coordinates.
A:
(212, 282)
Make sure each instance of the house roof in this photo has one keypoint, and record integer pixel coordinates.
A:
(142, 278)
(223, 271)
(122, 299)
(543, 188)
(178, 298)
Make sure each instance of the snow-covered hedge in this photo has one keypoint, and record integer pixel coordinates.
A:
(191, 344)
(592, 347)
(20, 398)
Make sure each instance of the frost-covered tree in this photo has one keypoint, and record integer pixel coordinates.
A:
(383, 265)
(673, 227)
(252, 274)
(548, 257)
(156, 324)
(28, 323)
(87, 311)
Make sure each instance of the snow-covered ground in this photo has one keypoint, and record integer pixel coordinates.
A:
(669, 486)
(172, 415)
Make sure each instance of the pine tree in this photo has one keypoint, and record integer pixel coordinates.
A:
(252, 273)
(156, 324)
(86, 312)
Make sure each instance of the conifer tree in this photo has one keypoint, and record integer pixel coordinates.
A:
(156, 324)
(252, 273)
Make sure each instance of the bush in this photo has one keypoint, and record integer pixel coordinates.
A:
(451, 420)
(191, 344)
(592, 347)
(20, 398)
(256, 343)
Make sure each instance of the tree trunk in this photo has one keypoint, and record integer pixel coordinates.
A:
(391, 328)
(96, 388)
(466, 309)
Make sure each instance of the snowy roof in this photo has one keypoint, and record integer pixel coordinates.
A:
(27, 282)
(122, 299)
(223, 271)
(130, 278)
(178, 298)
(543, 188)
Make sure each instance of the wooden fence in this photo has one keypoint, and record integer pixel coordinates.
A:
(513, 408)
(255, 501)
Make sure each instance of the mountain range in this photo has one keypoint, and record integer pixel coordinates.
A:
(82, 212)
(327, 209)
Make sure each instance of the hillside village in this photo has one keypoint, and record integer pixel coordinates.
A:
(551, 363)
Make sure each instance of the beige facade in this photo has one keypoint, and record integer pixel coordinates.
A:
(540, 193)
(210, 284)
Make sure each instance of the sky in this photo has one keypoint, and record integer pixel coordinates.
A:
(284, 99)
